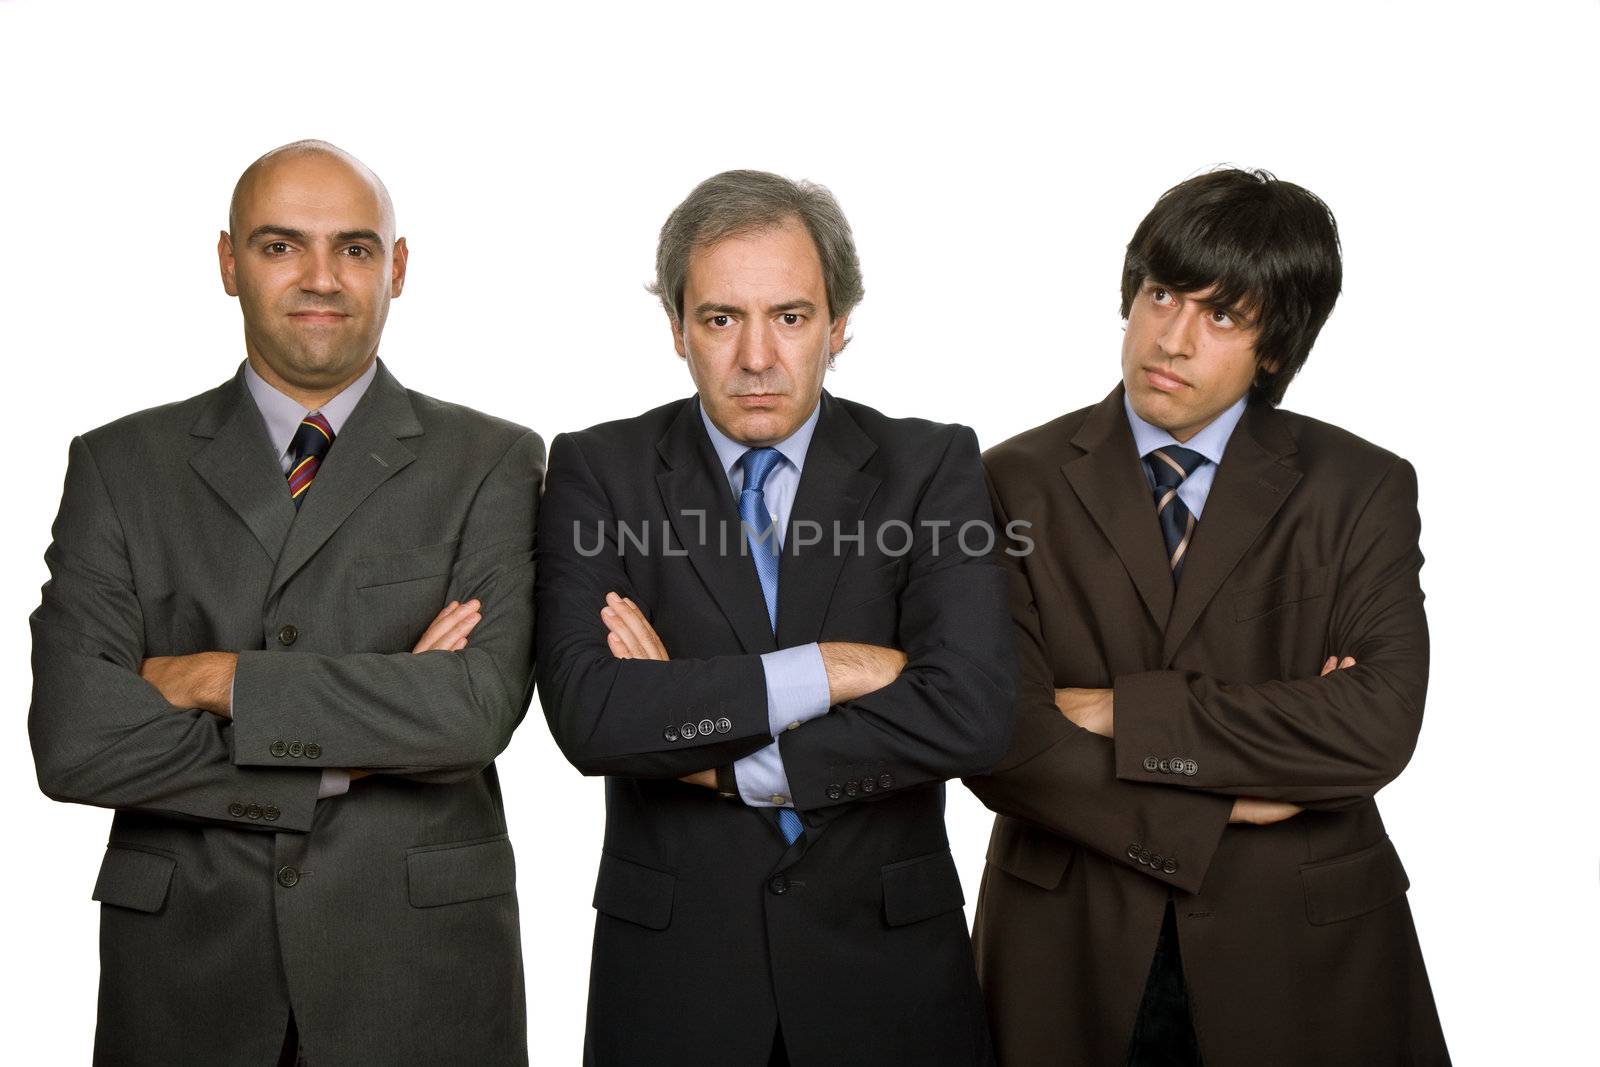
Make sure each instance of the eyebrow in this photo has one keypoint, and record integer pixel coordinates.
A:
(293, 234)
(709, 308)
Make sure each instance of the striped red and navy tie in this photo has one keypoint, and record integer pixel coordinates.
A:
(311, 442)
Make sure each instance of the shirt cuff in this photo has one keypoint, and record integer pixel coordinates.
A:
(797, 686)
(335, 783)
(763, 783)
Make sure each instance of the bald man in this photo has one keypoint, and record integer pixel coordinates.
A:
(241, 649)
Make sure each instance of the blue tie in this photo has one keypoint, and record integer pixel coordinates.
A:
(762, 537)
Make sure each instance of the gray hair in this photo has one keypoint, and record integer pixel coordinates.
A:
(738, 202)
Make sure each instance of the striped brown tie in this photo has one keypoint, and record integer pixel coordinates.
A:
(311, 442)
(1169, 466)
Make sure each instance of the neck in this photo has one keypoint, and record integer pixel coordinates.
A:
(309, 396)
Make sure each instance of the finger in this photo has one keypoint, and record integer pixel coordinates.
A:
(460, 643)
(1348, 661)
(641, 636)
(440, 622)
(619, 648)
(659, 649)
(449, 632)
(1328, 666)
(619, 630)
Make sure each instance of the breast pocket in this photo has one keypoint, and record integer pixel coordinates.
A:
(1285, 589)
(397, 594)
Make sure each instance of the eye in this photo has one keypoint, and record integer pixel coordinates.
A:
(358, 252)
(1221, 318)
(1162, 296)
(790, 318)
(276, 248)
(719, 321)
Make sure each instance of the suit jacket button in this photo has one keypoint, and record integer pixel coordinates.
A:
(1191, 768)
(313, 750)
(270, 813)
(868, 785)
(688, 730)
(1144, 856)
(706, 726)
(280, 749)
(885, 780)
(1163, 766)
(670, 734)
(779, 884)
(236, 809)
(288, 877)
(1170, 867)
(296, 748)
(1176, 764)
(1133, 852)
(852, 787)
(253, 811)
(724, 725)
(1151, 763)
(287, 634)
(834, 792)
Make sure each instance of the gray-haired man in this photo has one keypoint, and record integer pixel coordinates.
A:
(762, 900)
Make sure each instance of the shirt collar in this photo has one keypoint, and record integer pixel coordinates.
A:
(283, 414)
(1209, 442)
(793, 448)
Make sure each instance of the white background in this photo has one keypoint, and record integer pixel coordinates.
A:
(993, 159)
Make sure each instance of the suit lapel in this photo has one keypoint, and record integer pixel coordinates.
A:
(834, 493)
(238, 464)
(367, 452)
(1252, 482)
(1108, 480)
(701, 508)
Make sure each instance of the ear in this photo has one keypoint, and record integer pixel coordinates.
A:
(836, 336)
(1269, 366)
(397, 268)
(225, 263)
(677, 336)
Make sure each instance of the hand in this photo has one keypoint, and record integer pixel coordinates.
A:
(1088, 708)
(449, 629)
(1335, 663)
(1256, 812)
(630, 635)
(707, 778)
(202, 680)
(856, 670)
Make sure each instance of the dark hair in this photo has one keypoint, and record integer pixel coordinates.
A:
(1268, 246)
(738, 202)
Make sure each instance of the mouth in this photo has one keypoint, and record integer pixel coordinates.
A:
(1164, 381)
(318, 318)
(758, 401)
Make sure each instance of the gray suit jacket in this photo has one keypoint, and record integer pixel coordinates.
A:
(386, 918)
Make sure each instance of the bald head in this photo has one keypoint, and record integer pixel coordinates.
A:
(258, 173)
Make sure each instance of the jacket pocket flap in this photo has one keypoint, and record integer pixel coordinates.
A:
(1036, 856)
(634, 893)
(133, 878)
(1285, 589)
(1352, 885)
(409, 565)
(920, 888)
(460, 871)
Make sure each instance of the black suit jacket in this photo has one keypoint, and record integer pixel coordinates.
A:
(386, 918)
(710, 929)
(1297, 941)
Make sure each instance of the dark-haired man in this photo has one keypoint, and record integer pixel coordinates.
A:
(1224, 657)
(839, 647)
(236, 625)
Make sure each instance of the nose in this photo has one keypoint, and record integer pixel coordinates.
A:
(320, 276)
(758, 348)
(1178, 339)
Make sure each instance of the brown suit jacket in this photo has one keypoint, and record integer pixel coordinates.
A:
(1297, 941)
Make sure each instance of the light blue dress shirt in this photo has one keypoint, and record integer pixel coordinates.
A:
(283, 415)
(1209, 442)
(797, 682)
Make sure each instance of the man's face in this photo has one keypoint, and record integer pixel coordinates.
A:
(756, 333)
(1185, 361)
(313, 261)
